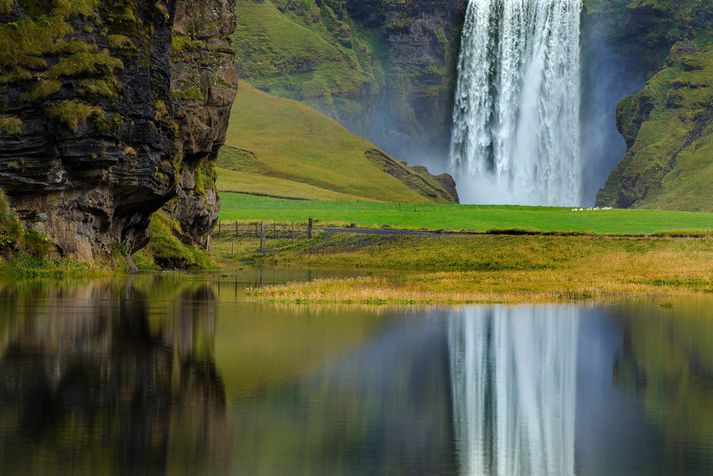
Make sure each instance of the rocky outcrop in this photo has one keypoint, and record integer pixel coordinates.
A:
(91, 138)
(439, 189)
(204, 82)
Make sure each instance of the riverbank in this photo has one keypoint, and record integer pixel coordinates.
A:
(483, 268)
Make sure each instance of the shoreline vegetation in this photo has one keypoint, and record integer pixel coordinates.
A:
(472, 269)
(505, 255)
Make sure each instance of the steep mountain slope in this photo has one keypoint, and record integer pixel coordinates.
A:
(383, 68)
(668, 125)
(283, 148)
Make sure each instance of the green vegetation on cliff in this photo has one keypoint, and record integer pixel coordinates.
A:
(24, 253)
(384, 68)
(170, 249)
(280, 147)
(668, 126)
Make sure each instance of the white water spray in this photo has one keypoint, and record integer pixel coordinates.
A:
(514, 380)
(516, 133)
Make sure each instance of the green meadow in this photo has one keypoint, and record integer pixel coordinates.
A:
(246, 208)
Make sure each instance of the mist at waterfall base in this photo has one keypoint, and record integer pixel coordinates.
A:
(535, 106)
(608, 76)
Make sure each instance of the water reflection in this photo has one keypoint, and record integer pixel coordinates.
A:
(179, 375)
(514, 389)
(92, 382)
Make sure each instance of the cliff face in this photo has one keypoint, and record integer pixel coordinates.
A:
(668, 124)
(204, 82)
(420, 40)
(90, 135)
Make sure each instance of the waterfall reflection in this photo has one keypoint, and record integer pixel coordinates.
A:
(103, 378)
(514, 382)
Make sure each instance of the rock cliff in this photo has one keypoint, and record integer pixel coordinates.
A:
(204, 81)
(92, 140)
(667, 124)
(419, 41)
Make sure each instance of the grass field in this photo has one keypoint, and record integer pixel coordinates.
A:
(279, 147)
(238, 207)
(492, 268)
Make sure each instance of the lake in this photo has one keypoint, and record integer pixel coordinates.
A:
(178, 374)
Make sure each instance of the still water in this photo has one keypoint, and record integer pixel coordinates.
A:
(164, 374)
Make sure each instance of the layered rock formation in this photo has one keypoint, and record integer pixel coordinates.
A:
(90, 136)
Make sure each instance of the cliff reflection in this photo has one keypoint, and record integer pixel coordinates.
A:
(666, 360)
(96, 379)
(514, 390)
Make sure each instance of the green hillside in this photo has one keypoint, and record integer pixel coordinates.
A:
(668, 126)
(304, 50)
(283, 148)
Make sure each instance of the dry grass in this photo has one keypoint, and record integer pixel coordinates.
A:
(568, 269)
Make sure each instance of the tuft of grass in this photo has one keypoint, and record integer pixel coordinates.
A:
(167, 251)
(72, 113)
(42, 89)
(11, 126)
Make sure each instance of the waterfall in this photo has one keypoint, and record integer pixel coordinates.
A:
(516, 133)
(513, 374)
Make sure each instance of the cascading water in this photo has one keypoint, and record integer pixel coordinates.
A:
(516, 133)
(513, 373)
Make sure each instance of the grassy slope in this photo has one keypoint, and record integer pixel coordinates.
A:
(459, 217)
(303, 51)
(302, 154)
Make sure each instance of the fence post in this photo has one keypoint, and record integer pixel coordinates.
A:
(262, 237)
(220, 228)
(257, 230)
(237, 231)
(310, 228)
(274, 229)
